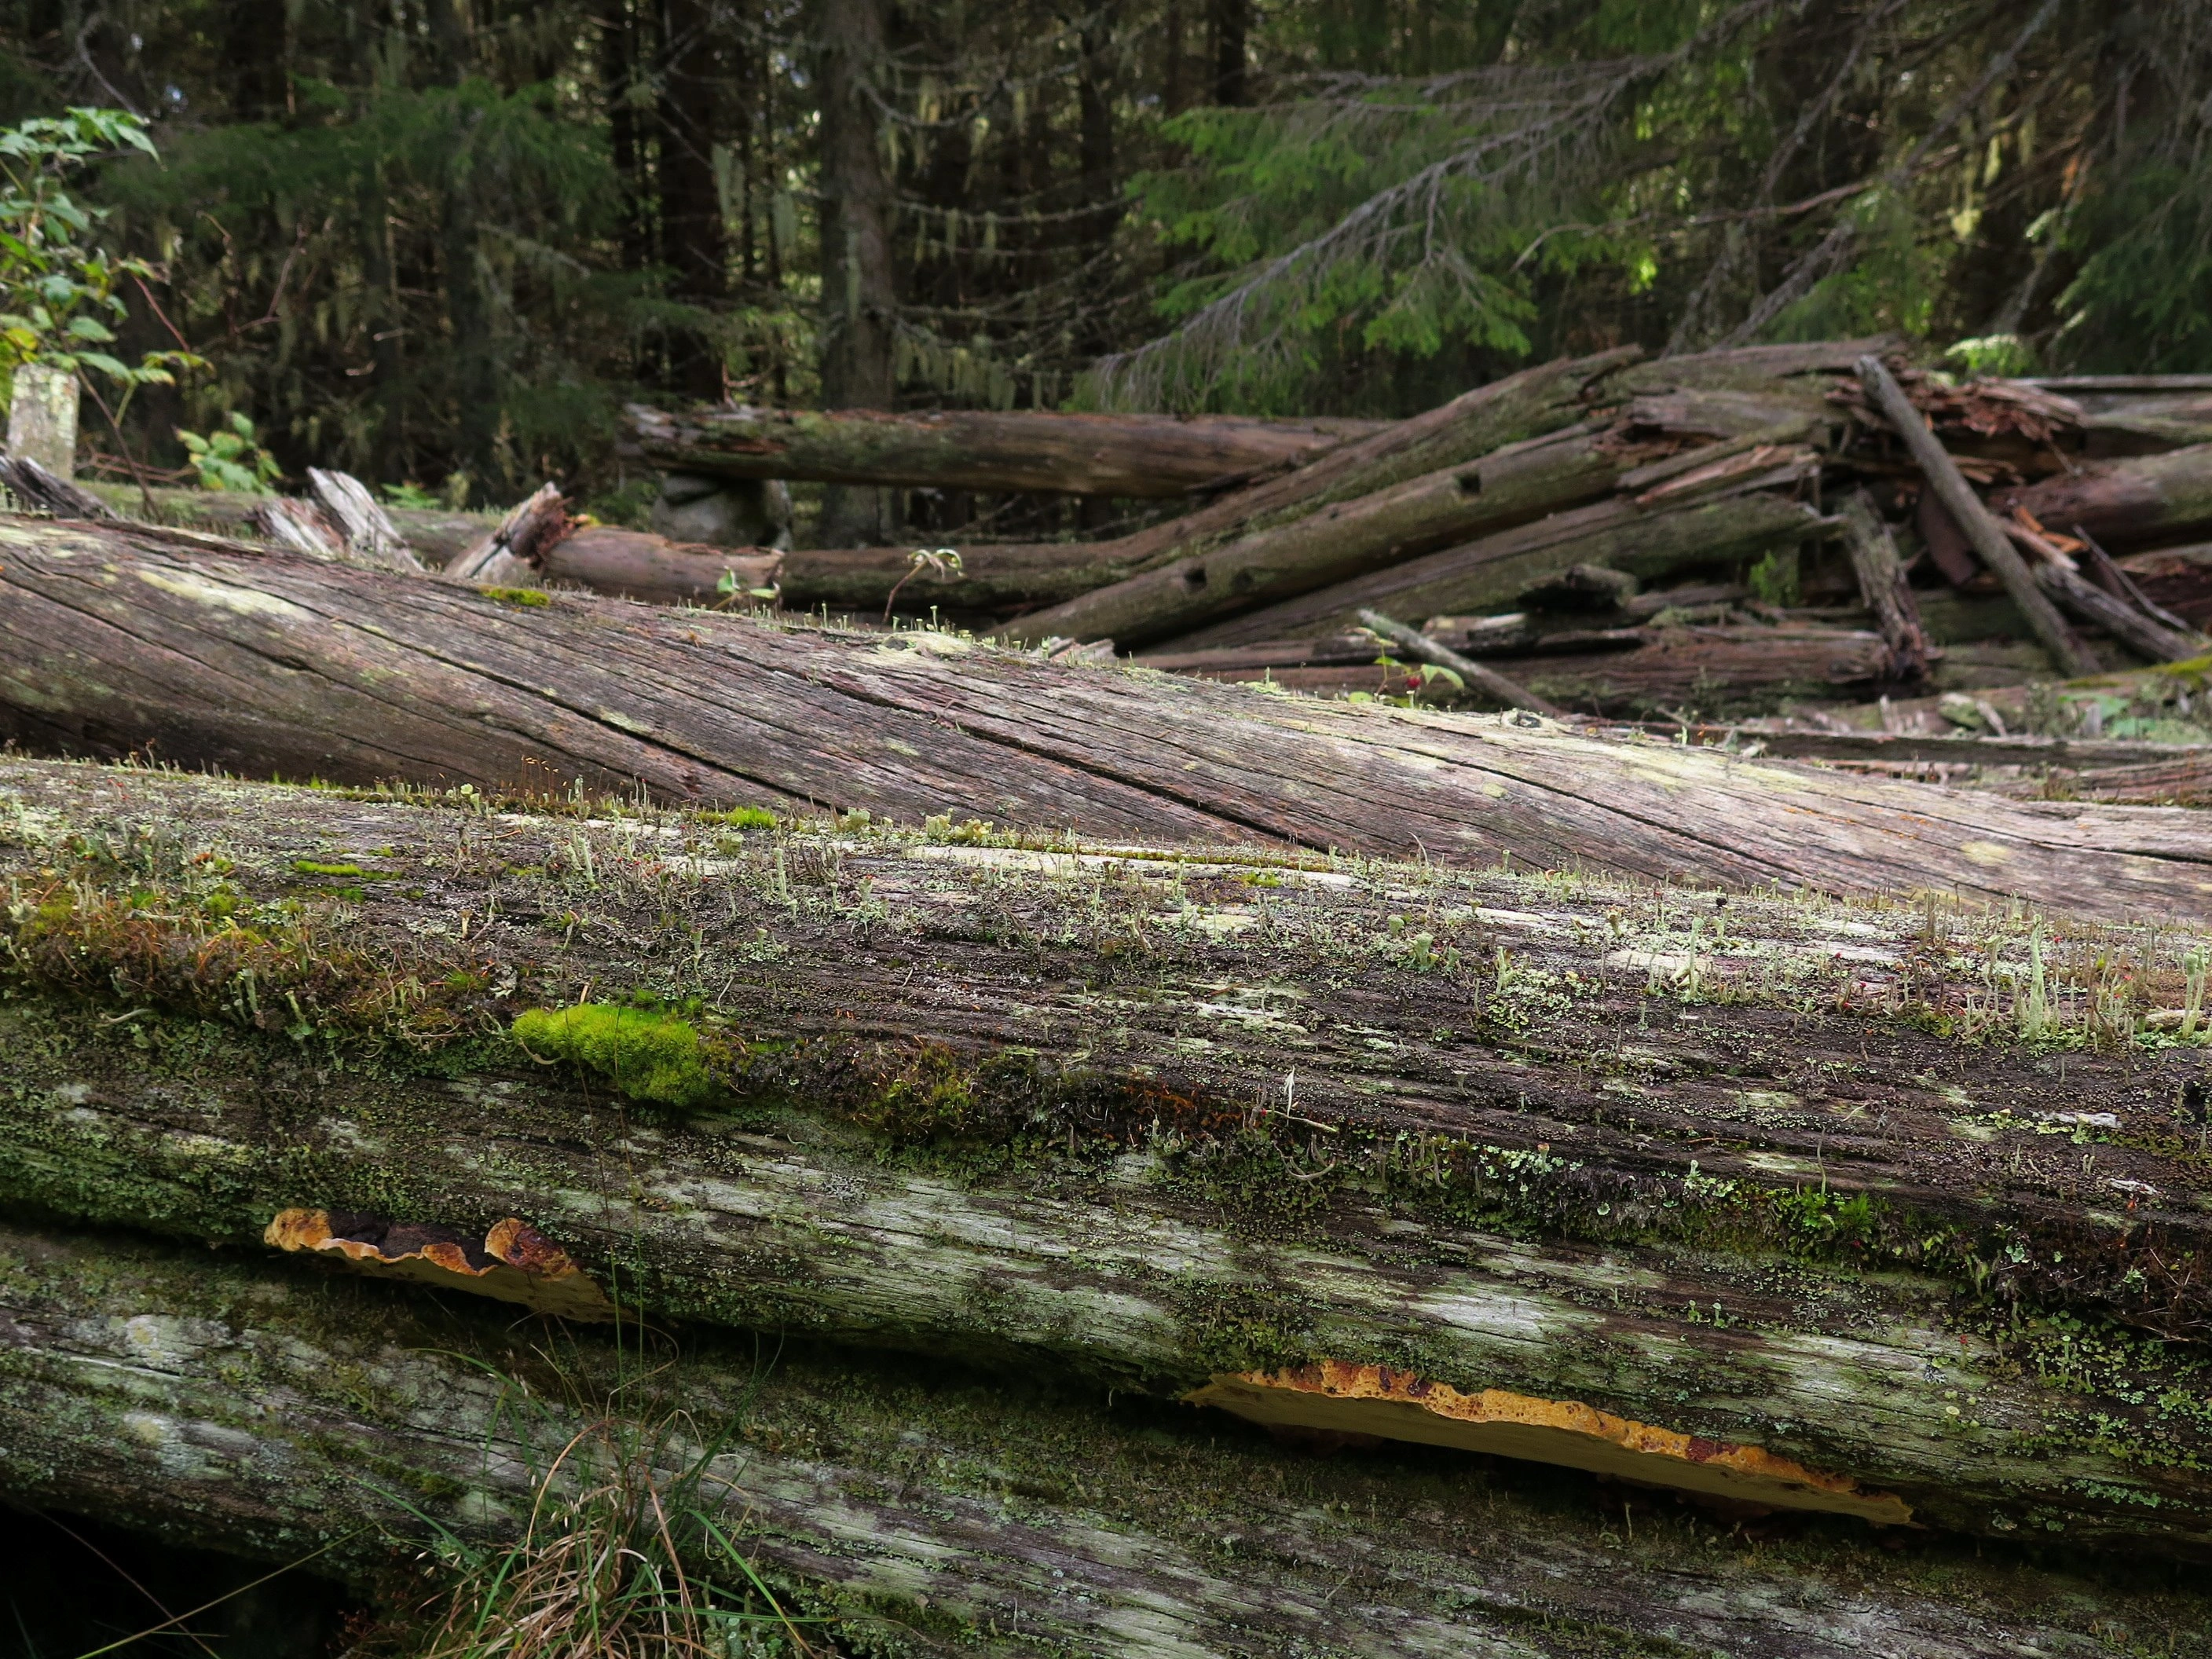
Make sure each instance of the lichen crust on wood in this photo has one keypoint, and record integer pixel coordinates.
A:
(512, 1263)
(1337, 1397)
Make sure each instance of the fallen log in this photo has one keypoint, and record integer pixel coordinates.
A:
(1626, 672)
(1883, 588)
(1973, 519)
(2124, 503)
(1137, 455)
(121, 640)
(203, 1397)
(1493, 1133)
(632, 564)
(1524, 405)
(1743, 393)
(1650, 535)
(1508, 486)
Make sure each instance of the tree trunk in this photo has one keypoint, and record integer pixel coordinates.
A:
(690, 199)
(2129, 503)
(860, 294)
(1639, 535)
(1141, 455)
(119, 639)
(204, 1397)
(1504, 1133)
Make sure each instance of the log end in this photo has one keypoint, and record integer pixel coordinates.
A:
(512, 1263)
(1337, 1397)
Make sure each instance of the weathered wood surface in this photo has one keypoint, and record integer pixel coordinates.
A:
(634, 564)
(1137, 455)
(2124, 503)
(1802, 1187)
(1974, 521)
(1524, 405)
(1883, 587)
(198, 1395)
(1642, 538)
(436, 534)
(1344, 539)
(116, 640)
(1632, 671)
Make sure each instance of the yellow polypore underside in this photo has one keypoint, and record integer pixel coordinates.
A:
(1347, 1398)
(525, 1268)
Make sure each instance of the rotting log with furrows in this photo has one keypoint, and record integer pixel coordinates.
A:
(927, 1508)
(120, 638)
(1894, 1212)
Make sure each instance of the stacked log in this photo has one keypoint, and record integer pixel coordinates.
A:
(1108, 1092)
(1772, 1205)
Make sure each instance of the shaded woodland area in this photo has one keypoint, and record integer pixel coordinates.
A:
(1127, 827)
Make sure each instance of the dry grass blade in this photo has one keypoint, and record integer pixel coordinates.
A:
(624, 1556)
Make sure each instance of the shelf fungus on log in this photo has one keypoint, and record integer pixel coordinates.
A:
(1762, 1171)
(921, 1507)
(1389, 1404)
(512, 1261)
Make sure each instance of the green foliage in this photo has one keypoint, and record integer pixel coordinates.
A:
(232, 458)
(59, 300)
(649, 1054)
(410, 494)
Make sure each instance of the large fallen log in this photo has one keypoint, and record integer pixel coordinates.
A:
(2124, 503)
(1521, 406)
(1681, 525)
(1139, 455)
(283, 1412)
(1763, 1200)
(1626, 672)
(117, 640)
(1510, 486)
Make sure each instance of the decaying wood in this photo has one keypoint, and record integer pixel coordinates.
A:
(1531, 1136)
(298, 525)
(1883, 587)
(2126, 503)
(1645, 537)
(202, 1396)
(436, 535)
(1139, 455)
(1524, 405)
(1972, 518)
(40, 491)
(1618, 671)
(507, 557)
(2125, 622)
(129, 639)
(1344, 539)
(370, 535)
(632, 564)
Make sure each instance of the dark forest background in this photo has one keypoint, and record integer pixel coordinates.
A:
(441, 241)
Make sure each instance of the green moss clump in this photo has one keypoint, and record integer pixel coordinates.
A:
(742, 817)
(309, 867)
(529, 598)
(650, 1055)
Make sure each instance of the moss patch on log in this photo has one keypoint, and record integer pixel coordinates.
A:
(646, 1052)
